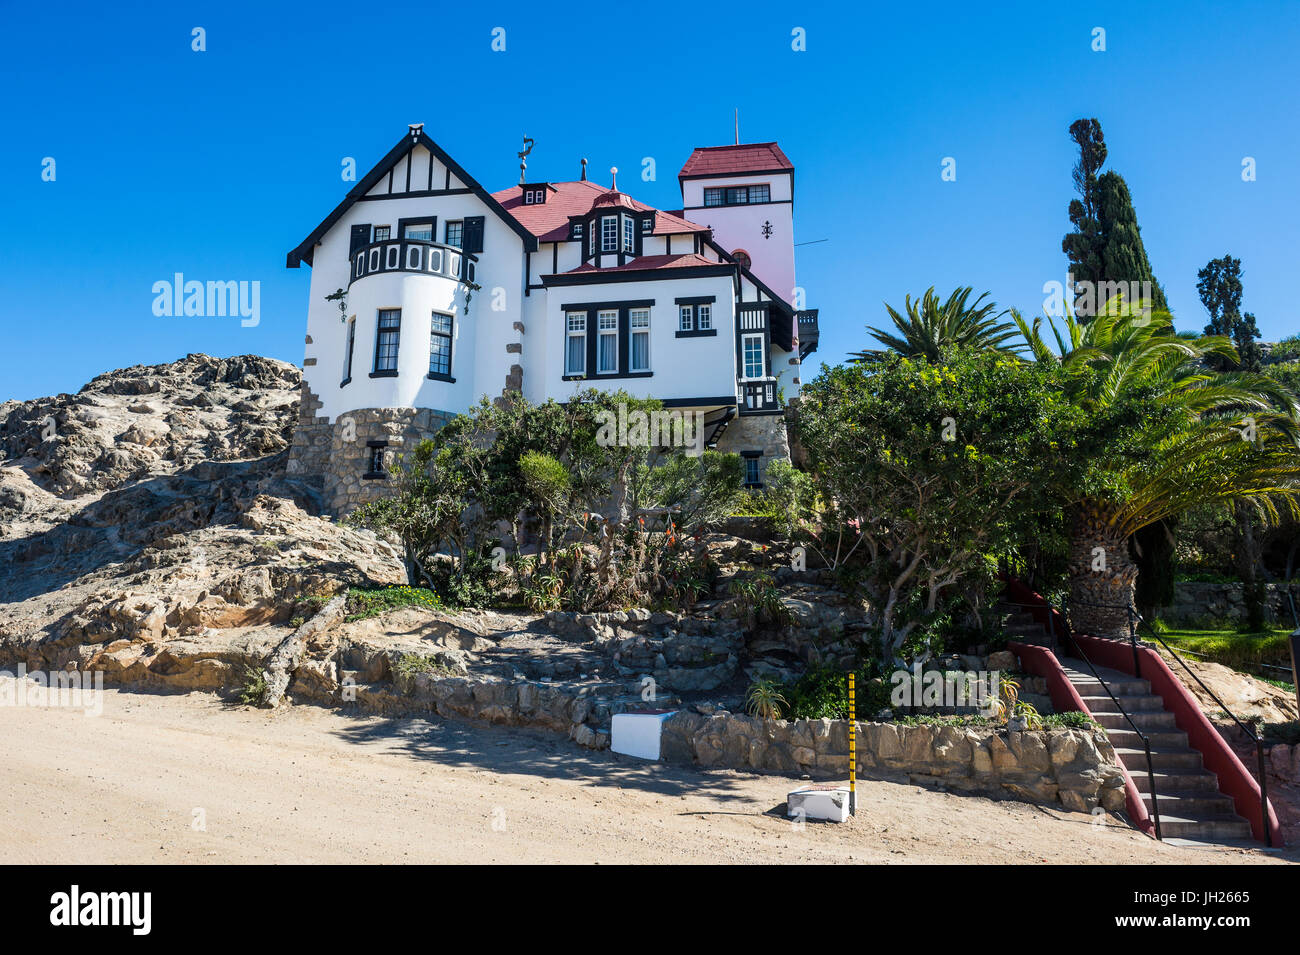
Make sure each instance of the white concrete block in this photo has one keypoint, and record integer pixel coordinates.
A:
(827, 805)
(637, 734)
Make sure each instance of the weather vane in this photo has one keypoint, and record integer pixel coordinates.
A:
(523, 159)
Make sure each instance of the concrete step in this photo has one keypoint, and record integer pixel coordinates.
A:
(1172, 780)
(1147, 721)
(1131, 704)
(1128, 739)
(1167, 760)
(1215, 828)
(1191, 804)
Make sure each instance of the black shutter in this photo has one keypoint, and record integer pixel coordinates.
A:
(473, 238)
(360, 237)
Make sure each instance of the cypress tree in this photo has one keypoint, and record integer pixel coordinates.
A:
(1106, 244)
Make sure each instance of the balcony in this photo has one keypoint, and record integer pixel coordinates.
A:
(808, 332)
(412, 255)
(758, 396)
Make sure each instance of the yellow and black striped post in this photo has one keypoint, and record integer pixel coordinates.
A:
(853, 747)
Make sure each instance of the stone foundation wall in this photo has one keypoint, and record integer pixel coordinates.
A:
(765, 433)
(339, 452)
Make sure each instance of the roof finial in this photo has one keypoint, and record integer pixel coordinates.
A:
(613, 174)
(416, 129)
(584, 169)
(737, 125)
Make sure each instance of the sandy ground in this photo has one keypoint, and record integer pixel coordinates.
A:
(190, 779)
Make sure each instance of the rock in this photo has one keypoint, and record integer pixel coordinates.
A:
(1001, 660)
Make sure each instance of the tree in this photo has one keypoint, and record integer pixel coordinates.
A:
(931, 327)
(935, 468)
(1105, 250)
(1220, 288)
(1162, 434)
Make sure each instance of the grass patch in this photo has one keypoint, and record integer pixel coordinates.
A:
(363, 604)
(1233, 648)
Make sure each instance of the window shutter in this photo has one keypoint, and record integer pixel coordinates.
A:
(473, 240)
(360, 237)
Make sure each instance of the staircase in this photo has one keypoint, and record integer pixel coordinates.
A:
(1191, 805)
(1019, 625)
(1192, 808)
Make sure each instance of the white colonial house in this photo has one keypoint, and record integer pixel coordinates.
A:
(451, 292)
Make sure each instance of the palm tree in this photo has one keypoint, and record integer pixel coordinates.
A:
(1167, 434)
(930, 327)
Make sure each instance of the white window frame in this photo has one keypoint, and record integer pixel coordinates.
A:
(634, 329)
(374, 233)
(703, 317)
(744, 359)
(576, 327)
(686, 318)
(609, 233)
(629, 234)
(601, 333)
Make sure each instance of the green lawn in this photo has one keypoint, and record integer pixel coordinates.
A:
(1234, 649)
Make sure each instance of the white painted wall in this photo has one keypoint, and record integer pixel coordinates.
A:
(682, 367)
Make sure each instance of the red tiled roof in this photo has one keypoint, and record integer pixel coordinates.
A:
(549, 220)
(728, 160)
(674, 261)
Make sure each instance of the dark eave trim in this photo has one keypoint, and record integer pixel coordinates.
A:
(305, 249)
(637, 275)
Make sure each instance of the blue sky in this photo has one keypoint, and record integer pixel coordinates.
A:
(215, 164)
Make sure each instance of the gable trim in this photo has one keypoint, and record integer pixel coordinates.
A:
(306, 249)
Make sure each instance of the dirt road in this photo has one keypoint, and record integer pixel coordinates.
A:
(189, 779)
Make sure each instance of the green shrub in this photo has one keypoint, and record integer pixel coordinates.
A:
(764, 699)
(1283, 732)
(363, 604)
(252, 689)
(409, 664)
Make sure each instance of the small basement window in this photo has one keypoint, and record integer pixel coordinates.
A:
(376, 457)
(753, 475)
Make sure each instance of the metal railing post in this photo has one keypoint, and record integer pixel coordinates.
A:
(1133, 641)
(1151, 780)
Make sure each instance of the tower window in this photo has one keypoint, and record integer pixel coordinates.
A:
(737, 195)
(704, 317)
(387, 339)
(609, 234)
(686, 318)
(440, 346)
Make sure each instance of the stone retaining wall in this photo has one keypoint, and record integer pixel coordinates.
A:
(1197, 602)
(1074, 767)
